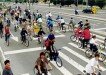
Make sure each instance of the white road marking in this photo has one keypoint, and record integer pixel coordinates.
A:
(55, 36)
(100, 37)
(62, 69)
(2, 54)
(71, 62)
(25, 74)
(100, 29)
(14, 38)
(23, 50)
(29, 74)
(83, 58)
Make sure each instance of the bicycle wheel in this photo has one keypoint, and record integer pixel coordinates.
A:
(73, 38)
(102, 46)
(64, 29)
(79, 44)
(59, 62)
(88, 53)
(102, 57)
(27, 43)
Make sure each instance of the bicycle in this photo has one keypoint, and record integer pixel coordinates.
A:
(25, 41)
(102, 46)
(73, 38)
(41, 41)
(55, 56)
(90, 53)
(36, 71)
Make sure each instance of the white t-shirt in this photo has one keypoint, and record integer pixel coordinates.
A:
(39, 20)
(49, 14)
(93, 41)
(93, 62)
(62, 20)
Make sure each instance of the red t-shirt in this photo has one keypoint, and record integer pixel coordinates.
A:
(86, 34)
(7, 30)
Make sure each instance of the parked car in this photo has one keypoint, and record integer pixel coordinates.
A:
(88, 10)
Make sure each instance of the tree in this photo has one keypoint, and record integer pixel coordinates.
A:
(91, 2)
(100, 3)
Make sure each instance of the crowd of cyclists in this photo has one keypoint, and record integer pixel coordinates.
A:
(31, 24)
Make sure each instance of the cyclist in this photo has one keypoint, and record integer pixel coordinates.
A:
(48, 15)
(50, 23)
(86, 36)
(58, 20)
(87, 24)
(23, 34)
(1, 29)
(81, 23)
(35, 28)
(62, 22)
(7, 33)
(29, 30)
(40, 22)
(49, 43)
(93, 43)
(90, 67)
(7, 69)
(40, 35)
(76, 12)
(72, 22)
(41, 63)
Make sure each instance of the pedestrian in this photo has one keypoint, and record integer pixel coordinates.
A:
(7, 68)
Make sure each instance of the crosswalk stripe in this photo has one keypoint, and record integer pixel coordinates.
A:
(22, 50)
(76, 54)
(100, 37)
(62, 69)
(71, 62)
(74, 45)
(57, 36)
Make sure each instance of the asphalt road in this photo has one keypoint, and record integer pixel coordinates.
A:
(74, 60)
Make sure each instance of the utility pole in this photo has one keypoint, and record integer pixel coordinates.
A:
(29, 4)
(87, 3)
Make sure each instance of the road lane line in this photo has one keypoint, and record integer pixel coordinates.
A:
(63, 70)
(25, 74)
(71, 62)
(86, 60)
(100, 37)
(13, 37)
(3, 55)
(57, 36)
(23, 50)
(100, 29)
